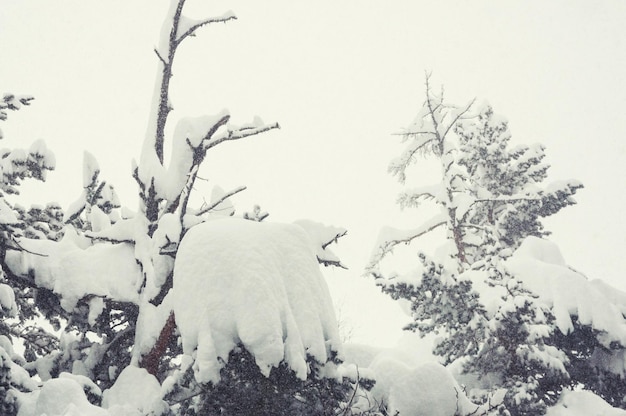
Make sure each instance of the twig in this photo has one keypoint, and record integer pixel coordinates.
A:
(356, 386)
(222, 199)
(240, 134)
(192, 29)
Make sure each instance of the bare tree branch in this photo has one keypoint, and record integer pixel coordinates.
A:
(334, 239)
(407, 240)
(241, 133)
(190, 32)
(159, 56)
(335, 263)
(386, 247)
(222, 199)
(460, 115)
(412, 133)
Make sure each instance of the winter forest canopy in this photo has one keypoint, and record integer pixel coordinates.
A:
(189, 304)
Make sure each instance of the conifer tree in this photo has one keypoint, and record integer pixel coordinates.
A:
(103, 273)
(490, 197)
(19, 297)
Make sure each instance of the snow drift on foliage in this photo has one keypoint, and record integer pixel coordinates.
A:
(583, 403)
(409, 380)
(135, 393)
(255, 284)
(540, 266)
(64, 397)
(426, 388)
(134, 390)
(74, 267)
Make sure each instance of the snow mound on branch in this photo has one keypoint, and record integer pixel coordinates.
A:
(63, 397)
(540, 266)
(254, 284)
(7, 300)
(74, 268)
(91, 169)
(322, 236)
(135, 389)
(7, 215)
(583, 403)
(427, 389)
(135, 393)
(188, 135)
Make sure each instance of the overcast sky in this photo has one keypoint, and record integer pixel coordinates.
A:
(340, 78)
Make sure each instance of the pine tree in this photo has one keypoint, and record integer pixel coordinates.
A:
(490, 198)
(103, 273)
(19, 298)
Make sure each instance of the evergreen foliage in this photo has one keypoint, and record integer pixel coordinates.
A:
(492, 196)
(244, 391)
(97, 333)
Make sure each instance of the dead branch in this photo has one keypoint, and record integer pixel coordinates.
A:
(191, 31)
(241, 133)
(222, 199)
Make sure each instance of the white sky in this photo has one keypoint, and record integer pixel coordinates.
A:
(340, 78)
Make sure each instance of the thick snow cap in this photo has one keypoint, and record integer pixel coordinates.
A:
(255, 284)
(540, 266)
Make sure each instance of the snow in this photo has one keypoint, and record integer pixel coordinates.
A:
(257, 284)
(540, 266)
(390, 237)
(17, 374)
(135, 390)
(428, 390)
(583, 403)
(7, 215)
(85, 382)
(412, 197)
(91, 169)
(7, 300)
(43, 157)
(96, 306)
(150, 322)
(410, 381)
(188, 135)
(135, 393)
(322, 236)
(408, 378)
(74, 268)
(75, 208)
(63, 397)
(98, 219)
(361, 355)
(122, 230)
(225, 207)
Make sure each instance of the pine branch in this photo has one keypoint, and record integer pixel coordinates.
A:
(23, 280)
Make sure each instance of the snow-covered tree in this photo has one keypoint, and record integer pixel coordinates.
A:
(172, 308)
(18, 295)
(492, 321)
